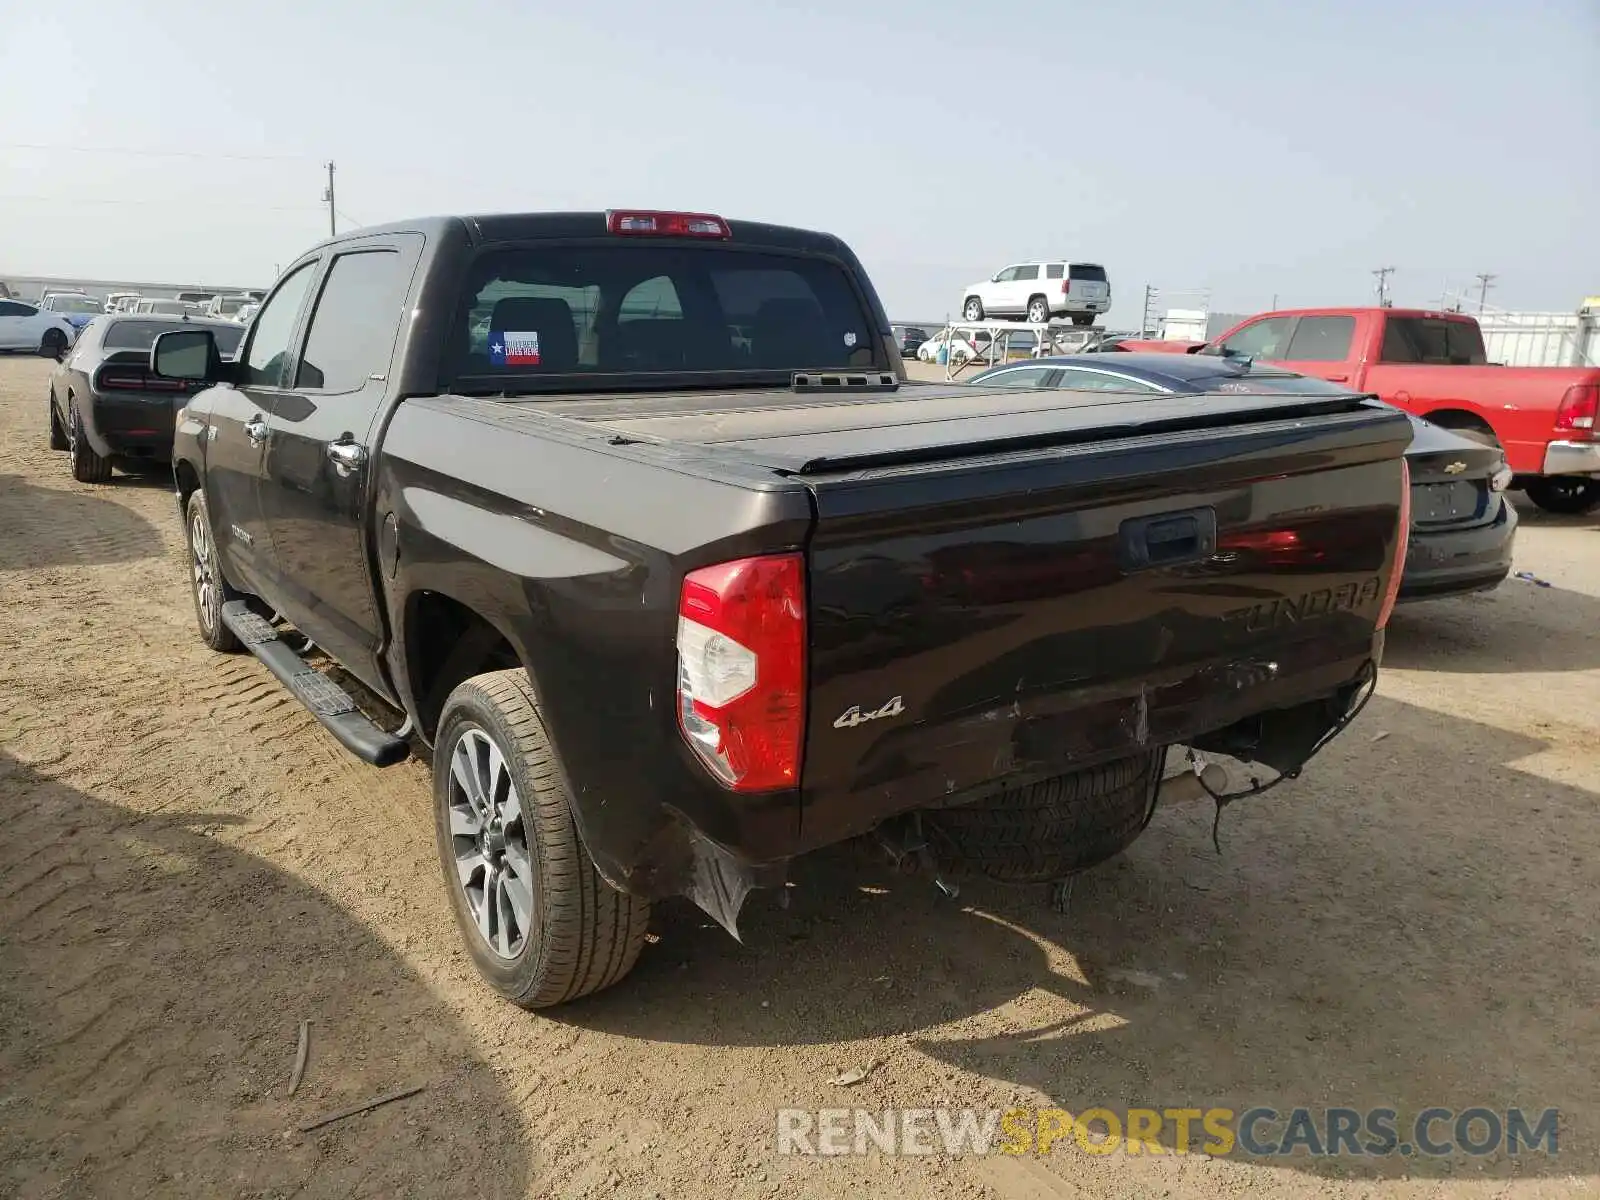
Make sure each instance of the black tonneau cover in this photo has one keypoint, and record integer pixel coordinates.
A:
(811, 433)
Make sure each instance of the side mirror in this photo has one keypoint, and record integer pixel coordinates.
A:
(188, 354)
(62, 351)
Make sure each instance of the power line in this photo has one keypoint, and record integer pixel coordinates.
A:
(140, 153)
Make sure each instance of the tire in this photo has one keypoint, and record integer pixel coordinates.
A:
(52, 343)
(1569, 495)
(87, 466)
(58, 431)
(1048, 830)
(207, 587)
(1038, 310)
(577, 934)
(972, 309)
(1083, 318)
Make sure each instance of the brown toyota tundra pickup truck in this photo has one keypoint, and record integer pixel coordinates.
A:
(634, 522)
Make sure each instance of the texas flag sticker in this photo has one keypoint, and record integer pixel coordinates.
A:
(514, 349)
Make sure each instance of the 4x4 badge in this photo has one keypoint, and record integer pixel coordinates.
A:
(853, 716)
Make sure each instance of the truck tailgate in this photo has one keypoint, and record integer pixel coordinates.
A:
(1012, 585)
(1017, 614)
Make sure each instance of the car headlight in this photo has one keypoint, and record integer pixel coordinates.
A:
(1501, 479)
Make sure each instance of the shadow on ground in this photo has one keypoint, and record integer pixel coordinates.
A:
(153, 984)
(1411, 924)
(44, 527)
(1520, 626)
(1532, 514)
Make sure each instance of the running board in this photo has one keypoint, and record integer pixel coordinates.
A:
(328, 702)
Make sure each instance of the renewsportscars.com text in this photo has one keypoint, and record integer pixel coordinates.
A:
(1258, 1132)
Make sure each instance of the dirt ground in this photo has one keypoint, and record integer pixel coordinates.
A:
(189, 868)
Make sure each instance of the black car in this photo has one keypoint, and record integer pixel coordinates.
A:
(1462, 525)
(908, 338)
(106, 407)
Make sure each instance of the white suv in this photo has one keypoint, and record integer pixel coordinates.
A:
(1039, 291)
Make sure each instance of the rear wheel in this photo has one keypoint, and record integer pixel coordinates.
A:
(87, 466)
(540, 923)
(1051, 829)
(1038, 310)
(972, 310)
(1566, 494)
(58, 431)
(52, 343)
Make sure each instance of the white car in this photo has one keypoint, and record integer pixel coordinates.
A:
(1039, 292)
(963, 346)
(28, 327)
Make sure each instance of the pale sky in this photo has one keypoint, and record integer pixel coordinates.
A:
(1257, 148)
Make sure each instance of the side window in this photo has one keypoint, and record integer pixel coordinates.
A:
(1055, 270)
(1093, 381)
(269, 354)
(1031, 272)
(1017, 377)
(1322, 339)
(354, 324)
(9, 309)
(1262, 339)
(1006, 276)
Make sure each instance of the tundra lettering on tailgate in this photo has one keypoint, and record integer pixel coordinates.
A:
(1305, 606)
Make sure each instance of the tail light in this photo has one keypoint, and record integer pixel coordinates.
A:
(1066, 286)
(641, 223)
(131, 379)
(1401, 541)
(741, 670)
(1576, 413)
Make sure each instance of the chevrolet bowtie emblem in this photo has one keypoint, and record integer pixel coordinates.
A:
(1455, 468)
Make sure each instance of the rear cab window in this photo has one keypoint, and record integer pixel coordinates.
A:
(1088, 272)
(1437, 341)
(530, 313)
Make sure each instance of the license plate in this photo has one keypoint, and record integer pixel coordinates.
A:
(1436, 503)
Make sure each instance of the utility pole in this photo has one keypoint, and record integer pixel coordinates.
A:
(327, 195)
(1484, 281)
(1382, 273)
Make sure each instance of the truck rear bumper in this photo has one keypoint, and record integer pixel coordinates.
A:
(1572, 458)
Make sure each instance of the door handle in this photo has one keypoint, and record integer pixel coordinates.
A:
(256, 430)
(1338, 379)
(347, 455)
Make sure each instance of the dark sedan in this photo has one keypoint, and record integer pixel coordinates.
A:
(908, 338)
(1462, 525)
(105, 406)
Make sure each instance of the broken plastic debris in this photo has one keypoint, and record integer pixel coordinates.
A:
(1530, 577)
(1380, 735)
(854, 1075)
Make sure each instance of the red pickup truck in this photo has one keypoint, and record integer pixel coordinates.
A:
(1433, 364)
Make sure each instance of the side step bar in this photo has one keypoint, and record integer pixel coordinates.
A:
(328, 702)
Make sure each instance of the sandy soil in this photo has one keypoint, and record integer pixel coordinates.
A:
(189, 868)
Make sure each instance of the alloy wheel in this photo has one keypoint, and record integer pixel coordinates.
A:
(207, 594)
(494, 867)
